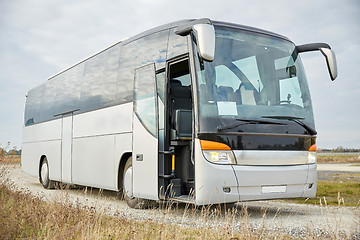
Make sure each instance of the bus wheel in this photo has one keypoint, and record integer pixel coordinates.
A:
(131, 201)
(44, 175)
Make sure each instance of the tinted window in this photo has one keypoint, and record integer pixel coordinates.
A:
(144, 94)
(177, 45)
(101, 81)
(68, 86)
(153, 48)
(98, 88)
(32, 109)
(150, 49)
(125, 80)
(48, 101)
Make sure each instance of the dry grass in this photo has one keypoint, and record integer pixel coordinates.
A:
(338, 159)
(16, 159)
(24, 216)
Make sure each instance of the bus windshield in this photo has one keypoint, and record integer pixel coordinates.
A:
(256, 83)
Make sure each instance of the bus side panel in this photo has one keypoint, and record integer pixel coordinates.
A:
(38, 140)
(30, 159)
(31, 155)
(93, 161)
(96, 159)
(111, 120)
(45, 131)
(98, 145)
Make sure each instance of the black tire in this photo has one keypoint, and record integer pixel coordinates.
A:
(44, 175)
(131, 201)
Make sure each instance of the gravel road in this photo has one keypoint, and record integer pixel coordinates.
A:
(342, 167)
(294, 219)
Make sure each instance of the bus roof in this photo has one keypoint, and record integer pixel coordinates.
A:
(187, 22)
(202, 20)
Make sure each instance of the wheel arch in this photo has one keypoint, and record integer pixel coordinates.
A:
(121, 166)
(40, 162)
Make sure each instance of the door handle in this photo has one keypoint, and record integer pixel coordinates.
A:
(139, 157)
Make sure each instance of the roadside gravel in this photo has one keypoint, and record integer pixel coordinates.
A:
(339, 167)
(294, 219)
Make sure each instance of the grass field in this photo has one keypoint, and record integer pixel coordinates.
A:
(338, 159)
(334, 193)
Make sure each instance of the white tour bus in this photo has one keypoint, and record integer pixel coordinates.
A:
(197, 111)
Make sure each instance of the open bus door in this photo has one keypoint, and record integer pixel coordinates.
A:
(176, 166)
(145, 135)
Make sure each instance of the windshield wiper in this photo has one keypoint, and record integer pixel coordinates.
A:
(245, 122)
(296, 120)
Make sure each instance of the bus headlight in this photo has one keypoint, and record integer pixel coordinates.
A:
(312, 154)
(217, 152)
(220, 157)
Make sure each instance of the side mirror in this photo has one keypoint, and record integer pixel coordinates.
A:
(326, 51)
(205, 37)
(331, 62)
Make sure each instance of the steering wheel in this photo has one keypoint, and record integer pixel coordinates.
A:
(283, 101)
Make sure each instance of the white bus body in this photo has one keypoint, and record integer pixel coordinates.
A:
(197, 111)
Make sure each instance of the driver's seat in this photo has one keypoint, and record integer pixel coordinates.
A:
(248, 94)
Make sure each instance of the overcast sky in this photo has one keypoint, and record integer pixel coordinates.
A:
(39, 38)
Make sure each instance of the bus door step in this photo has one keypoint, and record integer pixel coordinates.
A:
(184, 199)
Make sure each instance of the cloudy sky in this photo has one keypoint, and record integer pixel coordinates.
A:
(39, 38)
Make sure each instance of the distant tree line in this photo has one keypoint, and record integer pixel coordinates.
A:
(7, 150)
(340, 149)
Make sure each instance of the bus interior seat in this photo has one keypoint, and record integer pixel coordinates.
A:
(248, 94)
(175, 82)
(183, 124)
(180, 97)
(225, 93)
(181, 109)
